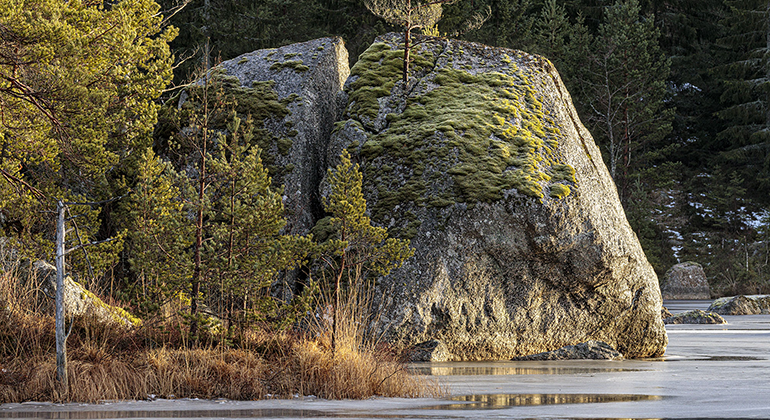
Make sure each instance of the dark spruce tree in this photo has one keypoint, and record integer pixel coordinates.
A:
(745, 140)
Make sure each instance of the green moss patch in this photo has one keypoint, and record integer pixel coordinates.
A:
(378, 69)
(488, 132)
(259, 103)
(295, 65)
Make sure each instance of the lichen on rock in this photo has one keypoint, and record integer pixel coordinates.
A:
(741, 305)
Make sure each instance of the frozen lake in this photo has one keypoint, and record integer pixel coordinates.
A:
(708, 371)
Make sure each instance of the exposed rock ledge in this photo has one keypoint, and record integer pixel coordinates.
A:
(741, 305)
(596, 350)
(695, 316)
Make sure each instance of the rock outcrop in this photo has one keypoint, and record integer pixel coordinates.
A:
(741, 305)
(595, 350)
(695, 316)
(686, 280)
(78, 301)
(521, 242)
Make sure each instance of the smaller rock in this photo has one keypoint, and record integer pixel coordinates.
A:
(78, 301)
(592, 349)
(430, 351)
(696, 316)
(664, 312)
(741, 305)
(685, 281)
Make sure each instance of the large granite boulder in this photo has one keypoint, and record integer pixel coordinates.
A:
(741, 305)
(686, 280)
(521, 242)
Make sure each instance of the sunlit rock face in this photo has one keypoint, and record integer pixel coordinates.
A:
(521, 243)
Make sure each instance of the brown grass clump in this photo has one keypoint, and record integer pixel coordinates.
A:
(353, 373)
(200, 373)
(108, 363)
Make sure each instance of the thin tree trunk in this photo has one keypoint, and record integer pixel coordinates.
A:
(196, 279)
(230, 246)
(61, 336)
(407, 38)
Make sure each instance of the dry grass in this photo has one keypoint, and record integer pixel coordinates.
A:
(108, 363)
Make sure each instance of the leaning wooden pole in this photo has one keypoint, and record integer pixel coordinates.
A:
(61, 336)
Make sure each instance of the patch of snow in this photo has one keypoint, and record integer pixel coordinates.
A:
(676, 250)
(756, 220)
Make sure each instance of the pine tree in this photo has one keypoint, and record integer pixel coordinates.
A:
(356, 249)
(566, 44)
(159, 236)
(625, 90)
(78, 81)
(689, 32)
(247, 251)
(237, 250)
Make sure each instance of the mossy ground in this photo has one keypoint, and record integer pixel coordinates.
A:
(488, 130)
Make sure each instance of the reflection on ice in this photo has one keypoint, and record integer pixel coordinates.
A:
(165, 414)
(509, 370)
(496, 401)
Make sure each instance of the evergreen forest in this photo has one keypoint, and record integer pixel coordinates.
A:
(675, 92)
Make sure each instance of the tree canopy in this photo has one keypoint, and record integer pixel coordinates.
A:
(78, 81)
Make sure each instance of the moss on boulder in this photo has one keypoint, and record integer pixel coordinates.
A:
(79, 301)
(695, 316)
(521, 243)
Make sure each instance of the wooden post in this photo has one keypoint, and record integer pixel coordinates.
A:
(61, 336)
